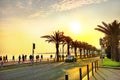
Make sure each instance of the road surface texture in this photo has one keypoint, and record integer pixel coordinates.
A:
(106, 74)
(49, 71)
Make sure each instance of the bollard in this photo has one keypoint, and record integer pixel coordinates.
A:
(80, 72)
(88, 72)
(92, 69)
(66, 77)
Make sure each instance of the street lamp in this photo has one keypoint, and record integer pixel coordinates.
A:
(33, 53)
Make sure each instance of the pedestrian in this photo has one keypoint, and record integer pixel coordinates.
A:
(41, 56)
(23, 58)
(6, 58)
(19, 59)
(37, 58)
(13, 58)
(0, 58)
(62, 57)
(51, 56)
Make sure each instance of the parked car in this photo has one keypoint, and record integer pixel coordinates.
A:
(70, 59)
(102, 56)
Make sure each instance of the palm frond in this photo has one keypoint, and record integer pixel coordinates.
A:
(106, 25)
(102, 31)
(103, 28)
(46, 36)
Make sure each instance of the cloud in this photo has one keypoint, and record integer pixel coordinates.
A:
(36, 8)
(63, 5)
(36, 14)
(20, 5)
(30, 2)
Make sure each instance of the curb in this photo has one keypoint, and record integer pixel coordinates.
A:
(118, 68)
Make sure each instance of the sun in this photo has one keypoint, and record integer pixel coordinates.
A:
(75, 27)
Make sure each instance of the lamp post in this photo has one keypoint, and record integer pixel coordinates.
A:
(33, 53)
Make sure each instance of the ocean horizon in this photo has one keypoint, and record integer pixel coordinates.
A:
(46, 55)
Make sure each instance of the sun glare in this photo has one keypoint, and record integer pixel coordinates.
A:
(75, 27)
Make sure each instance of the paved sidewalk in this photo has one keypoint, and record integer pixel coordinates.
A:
(105, 73)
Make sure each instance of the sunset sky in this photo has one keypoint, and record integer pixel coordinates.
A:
(23, 22)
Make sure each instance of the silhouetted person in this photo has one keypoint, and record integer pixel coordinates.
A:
(19, 59)
(41, 56)
(0, 58)
(51, 56)
(13, 58)
(37, 58)
(30, 57)
(62, 57)
(23, 58)
(6, 58)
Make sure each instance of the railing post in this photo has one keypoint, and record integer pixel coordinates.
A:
(66, 77)
(88, 72)
(80, 72)
(92, 69)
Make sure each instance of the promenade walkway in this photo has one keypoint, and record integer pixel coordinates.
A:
(105, 73)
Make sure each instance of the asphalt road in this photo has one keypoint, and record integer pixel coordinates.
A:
(50, 71)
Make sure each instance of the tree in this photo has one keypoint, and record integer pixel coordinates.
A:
(89, 48)
(57, 38)
(84, 45)
(75, 46)
(93, 49)
(108, 52)
(80, 48)
(68, 41)
(112, 32)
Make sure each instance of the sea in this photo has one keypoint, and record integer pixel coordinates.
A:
(45, 55)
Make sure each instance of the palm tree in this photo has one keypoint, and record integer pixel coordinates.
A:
(89, 50)
(84, 45)
(68, 41)
(80, 48)
(93, 49)
(56, 38)
(63, 44)
(75, 46)
(112, 32)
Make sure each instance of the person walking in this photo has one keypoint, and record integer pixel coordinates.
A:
(19, 59)
(13, 58)
(6, 58)
(23, 58)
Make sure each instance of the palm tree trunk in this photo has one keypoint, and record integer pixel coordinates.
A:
(80, 52)
(63, 52)
(119, 53)
(87, 53)
(75, 51)
(117, 50)
(112, 53)
(68, 47)
(114, 49)
(84, 53)
(57, 51)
